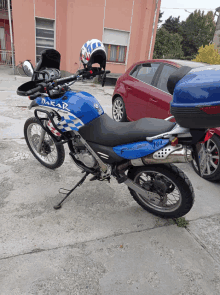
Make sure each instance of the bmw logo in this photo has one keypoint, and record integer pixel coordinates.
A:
(96, 106)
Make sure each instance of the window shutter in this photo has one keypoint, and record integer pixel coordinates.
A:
(44, 35)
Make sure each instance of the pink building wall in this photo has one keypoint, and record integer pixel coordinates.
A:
(78, 21)
(84, 22)
(45, 9)
(61, 31)
(118, 16)
(24, 30)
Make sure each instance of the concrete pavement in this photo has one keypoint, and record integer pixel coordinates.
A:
(101, 241)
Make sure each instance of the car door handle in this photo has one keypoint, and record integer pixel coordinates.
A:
(152, 99)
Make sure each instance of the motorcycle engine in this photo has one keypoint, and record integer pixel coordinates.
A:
(83, 155)
(86, 158)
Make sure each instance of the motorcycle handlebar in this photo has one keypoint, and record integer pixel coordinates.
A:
(64, 80)
(34, 90)
(74, 77)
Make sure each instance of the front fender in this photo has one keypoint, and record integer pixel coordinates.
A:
(33, 105)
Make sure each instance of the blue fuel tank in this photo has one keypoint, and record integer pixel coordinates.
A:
(75, 108)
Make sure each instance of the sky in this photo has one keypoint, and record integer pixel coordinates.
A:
(189, 5)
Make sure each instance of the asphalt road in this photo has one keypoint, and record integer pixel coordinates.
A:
(101, 241)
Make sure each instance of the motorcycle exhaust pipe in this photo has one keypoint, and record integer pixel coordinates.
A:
(182, 155)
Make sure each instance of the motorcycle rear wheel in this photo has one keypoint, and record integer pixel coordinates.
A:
(51, 155)
(171, 193)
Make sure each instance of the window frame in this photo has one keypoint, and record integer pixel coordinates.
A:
(159, 75)
(140, 66)
(134, 69)
(108, 53)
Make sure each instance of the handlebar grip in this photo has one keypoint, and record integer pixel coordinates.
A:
(34, 90)
(64, 80)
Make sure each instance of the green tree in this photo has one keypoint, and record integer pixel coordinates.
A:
(196, 31)
(167, 45)
(172, 24)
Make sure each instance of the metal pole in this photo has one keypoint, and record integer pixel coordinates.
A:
(217, 31)
(11, 36)
(152, 36)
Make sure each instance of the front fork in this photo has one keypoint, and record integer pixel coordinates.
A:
(42, 135)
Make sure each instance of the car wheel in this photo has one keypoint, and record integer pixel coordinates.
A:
(118, 110)
(212, 150)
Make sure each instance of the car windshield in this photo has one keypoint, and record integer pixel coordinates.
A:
(192, 64)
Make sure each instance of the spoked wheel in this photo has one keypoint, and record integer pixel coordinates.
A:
(50, 155)
(170, 191)
(118, 110)
(210, 150)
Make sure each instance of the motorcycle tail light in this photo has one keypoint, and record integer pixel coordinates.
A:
(174, 142)
(211, 110)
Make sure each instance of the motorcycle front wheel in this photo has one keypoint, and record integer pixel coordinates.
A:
(50, 155)
(171, 193)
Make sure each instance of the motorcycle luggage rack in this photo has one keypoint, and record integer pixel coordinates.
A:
(58, 141)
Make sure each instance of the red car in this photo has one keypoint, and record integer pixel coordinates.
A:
(142, 92)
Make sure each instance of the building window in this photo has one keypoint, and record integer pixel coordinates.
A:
(116, 43)
(44, 35)
(116, 53)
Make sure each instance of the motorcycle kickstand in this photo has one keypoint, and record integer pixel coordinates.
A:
(58, 206)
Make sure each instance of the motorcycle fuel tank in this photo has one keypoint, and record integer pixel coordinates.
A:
(75, 108)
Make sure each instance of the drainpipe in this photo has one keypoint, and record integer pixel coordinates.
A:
(152, 36)
(11, 36)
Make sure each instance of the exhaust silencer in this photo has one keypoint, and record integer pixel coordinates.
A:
(168, 154)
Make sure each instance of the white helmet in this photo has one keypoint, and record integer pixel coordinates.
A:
(93, 51)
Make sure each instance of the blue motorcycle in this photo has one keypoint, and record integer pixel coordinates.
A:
(139, 154)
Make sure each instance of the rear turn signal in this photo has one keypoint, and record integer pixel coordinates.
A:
(211, 110)
(208, 135)
(174, 142)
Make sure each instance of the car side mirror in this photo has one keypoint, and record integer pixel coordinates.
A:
(28, 68)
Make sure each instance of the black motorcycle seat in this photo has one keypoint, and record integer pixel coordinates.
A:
(105, 131)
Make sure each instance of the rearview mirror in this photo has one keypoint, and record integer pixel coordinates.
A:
(28, 68)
